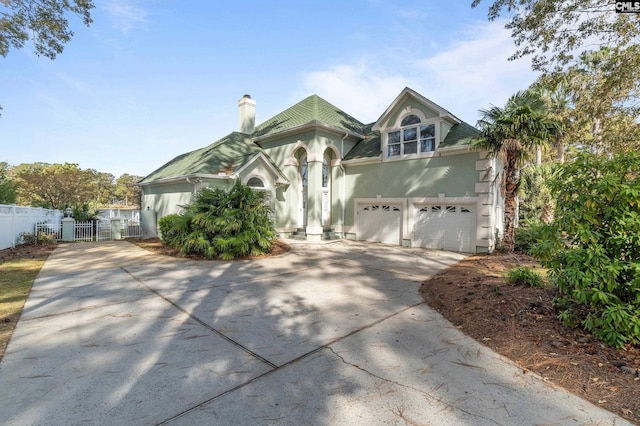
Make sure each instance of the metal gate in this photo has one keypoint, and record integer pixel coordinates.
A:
(101, 230)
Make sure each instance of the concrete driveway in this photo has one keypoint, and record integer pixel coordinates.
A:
(326, 334)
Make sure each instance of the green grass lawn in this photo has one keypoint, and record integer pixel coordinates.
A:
(16, 278)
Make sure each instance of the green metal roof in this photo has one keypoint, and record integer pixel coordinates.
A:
(309, 110)
(370, 147)
(225, 155)
(232, 152)
(460, 135)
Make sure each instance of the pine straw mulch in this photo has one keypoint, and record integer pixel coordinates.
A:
(520, 323)
(27, 251)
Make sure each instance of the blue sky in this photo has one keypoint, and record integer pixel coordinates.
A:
(152, 79)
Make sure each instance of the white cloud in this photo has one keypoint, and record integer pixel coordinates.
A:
(463, 77)
(475, 73)
(358, 89)
(126, 14)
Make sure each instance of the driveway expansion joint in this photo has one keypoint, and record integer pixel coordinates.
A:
(203, 323)
(426, 394)
(78, 368)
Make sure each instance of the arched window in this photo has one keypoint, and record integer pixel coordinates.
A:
(304, 172)
(412, 138)
(409, 120)
(325, 173)
(255, 182)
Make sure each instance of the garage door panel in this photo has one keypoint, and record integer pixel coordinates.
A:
(427, 232)
(379, 223)
(447, 227)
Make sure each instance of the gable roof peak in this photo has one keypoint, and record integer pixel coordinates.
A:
(406, 93)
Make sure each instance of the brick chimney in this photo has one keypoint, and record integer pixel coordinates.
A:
(247, 114)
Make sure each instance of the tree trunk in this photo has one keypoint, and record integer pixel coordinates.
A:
(511, 185)
(548, 212)
(560, 150)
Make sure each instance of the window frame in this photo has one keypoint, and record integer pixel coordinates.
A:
(398, 132)
(263, 187)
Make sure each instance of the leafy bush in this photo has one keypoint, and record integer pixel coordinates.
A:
(528, 234)
(525, 276)
(536, 199)
(593, 246)
(222, 224)
(85, 213)
(169, 230)
(30, 238)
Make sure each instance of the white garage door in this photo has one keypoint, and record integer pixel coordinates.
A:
(445, 227)
(379, 222)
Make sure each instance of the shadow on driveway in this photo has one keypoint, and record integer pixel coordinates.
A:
(325, 334)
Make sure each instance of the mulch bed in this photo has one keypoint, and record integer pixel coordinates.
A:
(157, 246)
(521, 323)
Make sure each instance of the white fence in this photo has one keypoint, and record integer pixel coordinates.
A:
(52, 231)
(83, 231)
(131, 229)
(103, 230)
(100, 230)
(15, 220)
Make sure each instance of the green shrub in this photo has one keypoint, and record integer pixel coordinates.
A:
(536, 199)
(30, 238)
(222, 224)
(530, 233)
(85, 213)
(169, 229)
(27, 238)
(525, 276)
(592, 248)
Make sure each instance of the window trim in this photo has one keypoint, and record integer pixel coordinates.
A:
(398, 128)
(263, 186)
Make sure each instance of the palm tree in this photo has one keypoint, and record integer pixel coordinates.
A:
(511, 134)
(556, 93)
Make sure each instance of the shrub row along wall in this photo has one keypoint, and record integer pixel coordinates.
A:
(15, 220)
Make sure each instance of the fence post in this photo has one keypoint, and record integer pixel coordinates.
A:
(13, 226)
(68, 229)
(116, 228)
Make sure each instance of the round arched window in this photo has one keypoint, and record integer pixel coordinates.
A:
(255, 182)
(410, 119)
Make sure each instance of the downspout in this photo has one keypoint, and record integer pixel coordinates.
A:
(344, 178)
(194, 183)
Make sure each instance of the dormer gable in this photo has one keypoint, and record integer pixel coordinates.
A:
(407, 101)
(413, 126)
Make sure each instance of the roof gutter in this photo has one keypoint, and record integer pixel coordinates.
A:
(310, 125)
(363, 161)
(187, 178)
